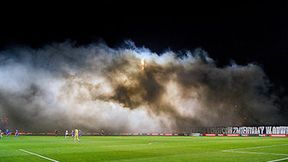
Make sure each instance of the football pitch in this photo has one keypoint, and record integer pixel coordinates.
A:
(143, 148)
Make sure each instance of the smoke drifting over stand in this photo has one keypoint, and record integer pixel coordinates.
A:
(129, 89)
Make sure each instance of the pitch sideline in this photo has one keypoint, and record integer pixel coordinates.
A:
(32, 153)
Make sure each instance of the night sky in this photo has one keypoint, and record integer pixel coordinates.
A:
(257, 34)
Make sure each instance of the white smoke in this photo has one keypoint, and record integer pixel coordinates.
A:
(128, 89)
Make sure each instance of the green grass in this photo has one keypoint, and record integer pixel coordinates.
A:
(142, 148)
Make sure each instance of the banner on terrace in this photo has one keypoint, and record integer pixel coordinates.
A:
(249, 130)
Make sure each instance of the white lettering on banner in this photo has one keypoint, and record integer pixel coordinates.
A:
(268, 130)
(256, 130)
(260, 130)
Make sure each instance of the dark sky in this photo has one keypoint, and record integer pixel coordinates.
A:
(256, 33)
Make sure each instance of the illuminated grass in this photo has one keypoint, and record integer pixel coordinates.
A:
(141, 148)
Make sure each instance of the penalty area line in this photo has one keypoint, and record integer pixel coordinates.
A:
(259, 153)
(239, 150)
(278, 160)
(248, 148)
(32, 153)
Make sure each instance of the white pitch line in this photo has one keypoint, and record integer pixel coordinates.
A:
(247, 148)
(32, 153)
(260, 153)
(267, 153)
(278, 160)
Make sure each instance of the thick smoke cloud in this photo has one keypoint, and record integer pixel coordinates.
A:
(129, 89)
